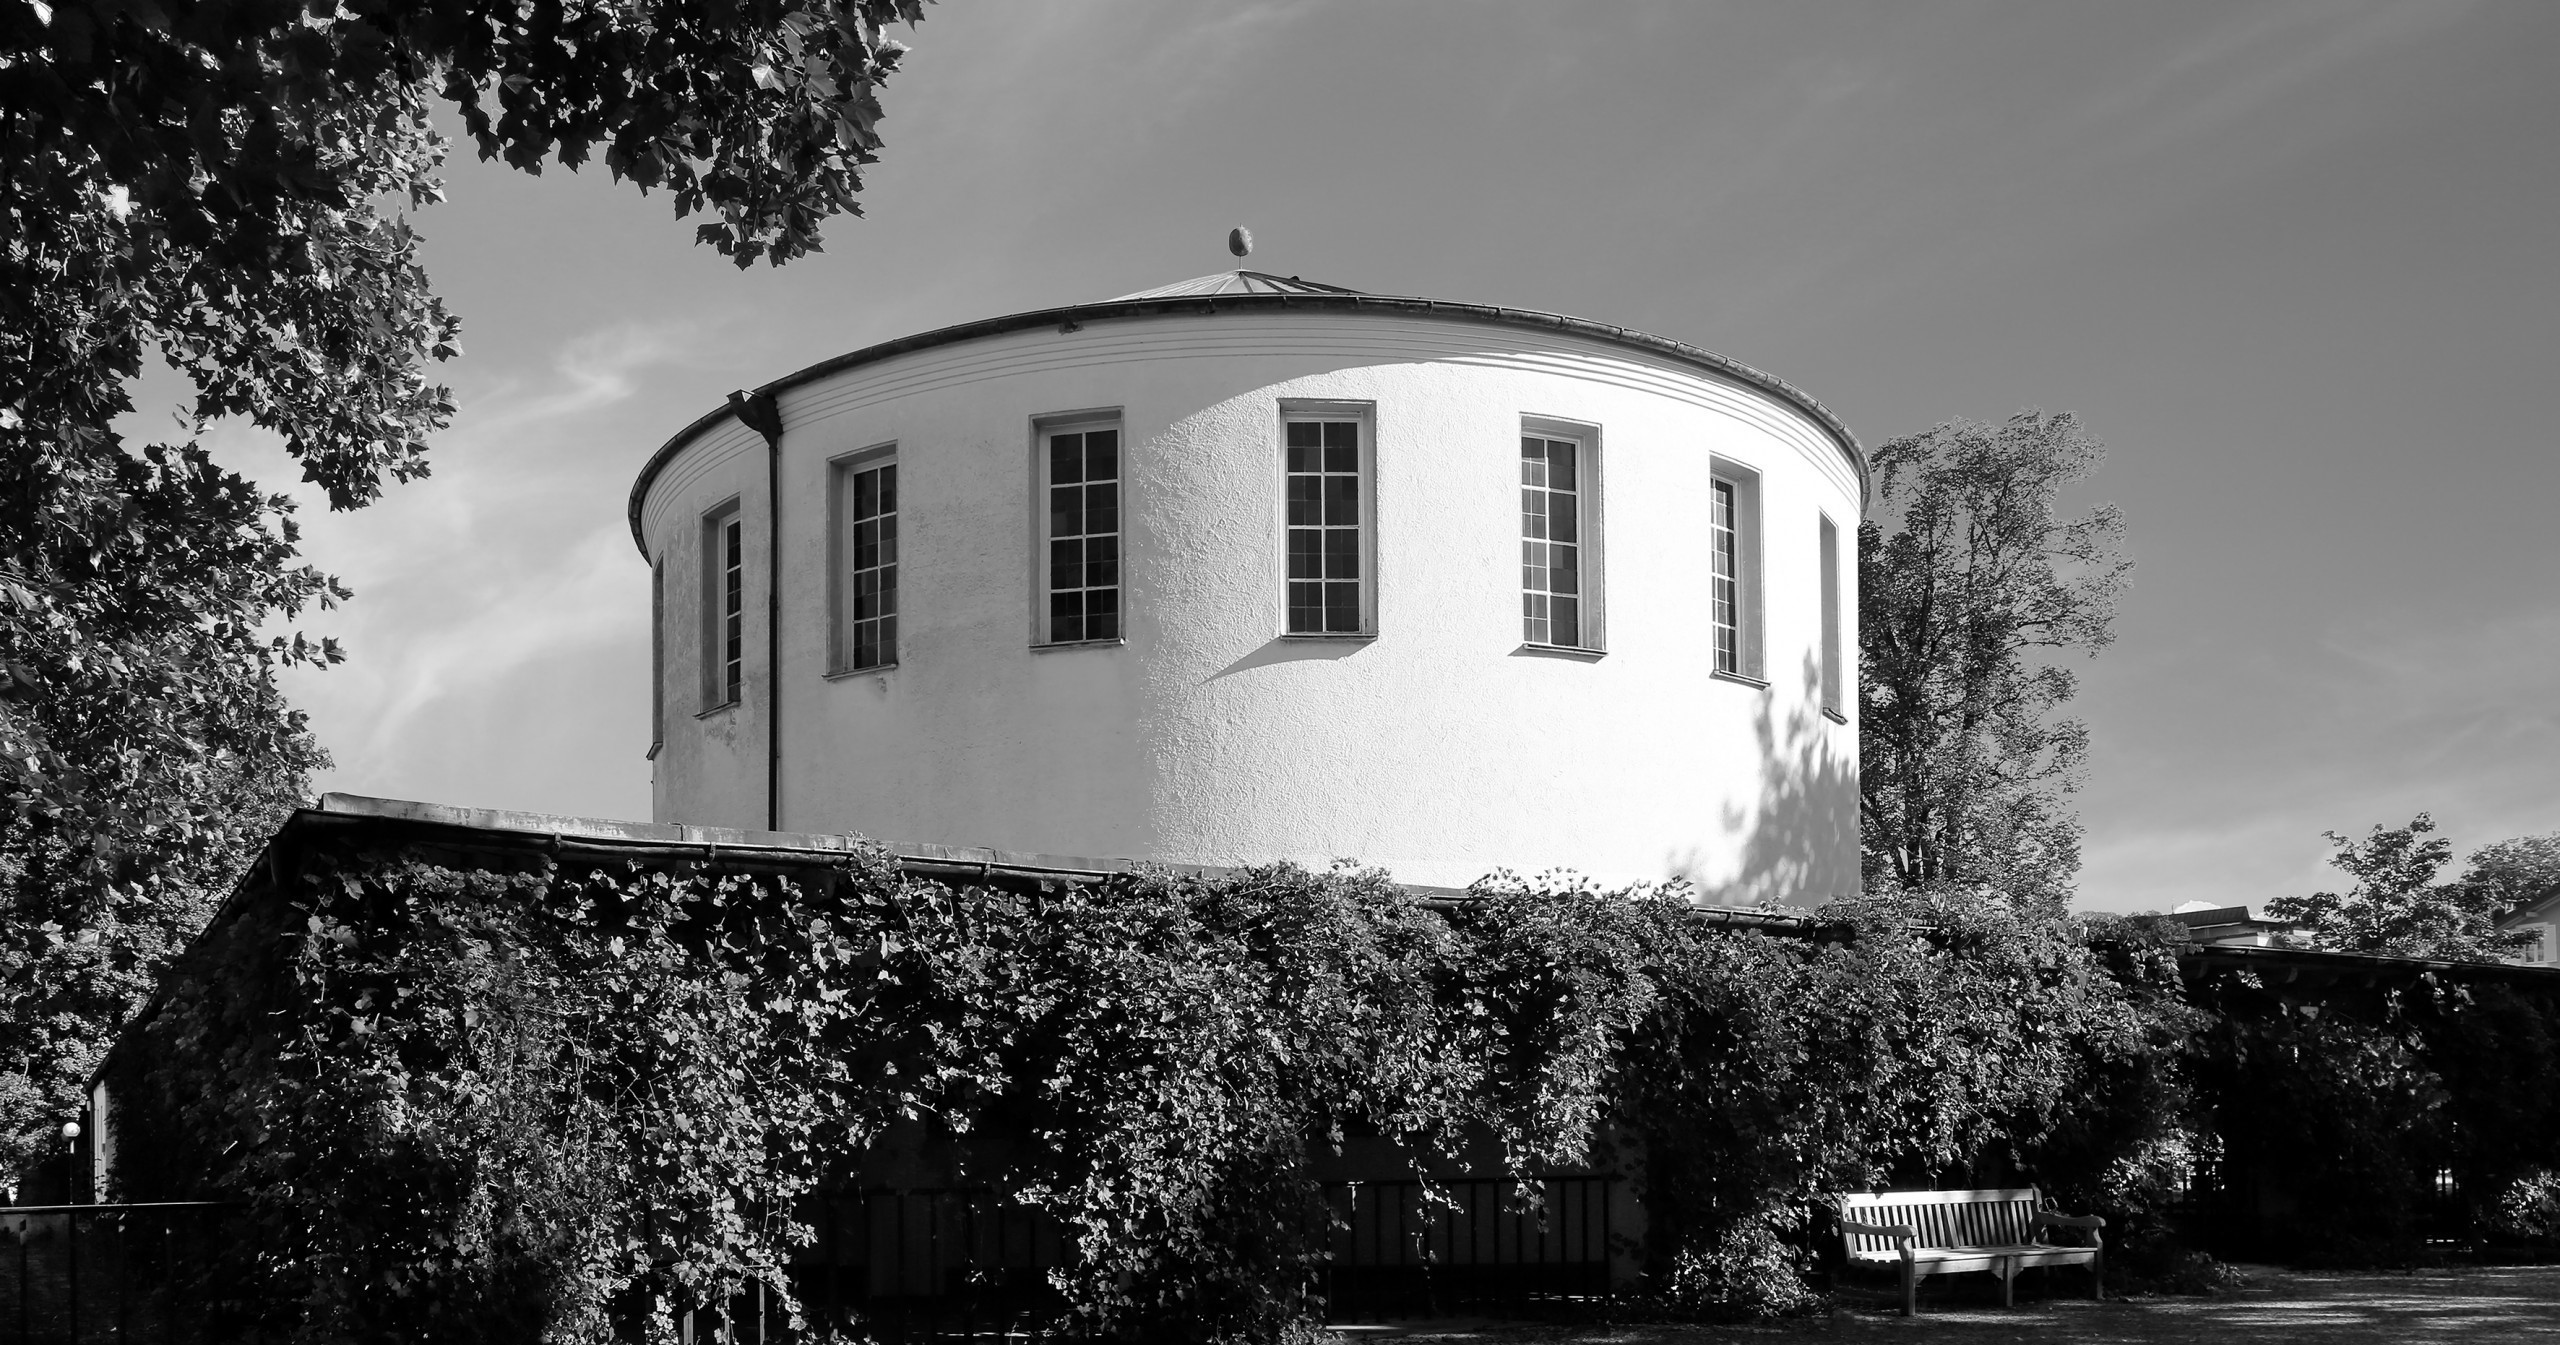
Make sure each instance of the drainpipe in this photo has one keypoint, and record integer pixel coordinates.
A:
(759, 412)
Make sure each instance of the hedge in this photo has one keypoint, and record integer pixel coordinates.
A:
(460, 1097)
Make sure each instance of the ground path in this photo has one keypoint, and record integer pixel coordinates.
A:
(2327, 1308)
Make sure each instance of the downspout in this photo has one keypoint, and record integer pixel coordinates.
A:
(759, 412)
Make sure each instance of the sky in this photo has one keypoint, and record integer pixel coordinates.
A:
(2293, 262)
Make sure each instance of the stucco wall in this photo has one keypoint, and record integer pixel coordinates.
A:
(1440, 750)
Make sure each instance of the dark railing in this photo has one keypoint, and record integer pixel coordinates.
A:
(970, 1264)
(1464, 1245)
(76, 1274)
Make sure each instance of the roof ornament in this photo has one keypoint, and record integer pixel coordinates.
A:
(1240, 241)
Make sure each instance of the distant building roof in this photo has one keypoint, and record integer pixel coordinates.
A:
(2225, 924)
(1234, 282)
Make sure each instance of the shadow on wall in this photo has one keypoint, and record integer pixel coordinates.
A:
(1800, 843)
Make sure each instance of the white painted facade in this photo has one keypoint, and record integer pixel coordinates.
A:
(1440, 748)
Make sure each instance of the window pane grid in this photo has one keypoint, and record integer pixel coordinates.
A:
(733, 610)
(657, 654)
(871, 567)
(1324, 527)
(1726, 613)
(1550, 542)
(1084, 536)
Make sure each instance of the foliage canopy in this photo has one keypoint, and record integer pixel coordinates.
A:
(470, 1088)
(1967, 574)
(226, 185)
(566, 1096)
(2397, 907)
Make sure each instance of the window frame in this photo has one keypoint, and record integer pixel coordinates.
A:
(657, 657)
(1043, 429)
(722, 523)
(1364, 414)
(1749, 662)
(1590, 522)
(1834, 638)
(841, 471)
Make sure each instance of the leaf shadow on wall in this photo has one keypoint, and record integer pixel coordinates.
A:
(1800, 840)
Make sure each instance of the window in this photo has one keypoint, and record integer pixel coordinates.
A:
(724, 607)
(1559, 536)
(657, 656)
(1327, 525)
(866, 560)
(1733, 531)
(1080, 468)
(1831, 667)
(2540, 949)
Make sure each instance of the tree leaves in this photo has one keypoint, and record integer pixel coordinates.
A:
(1962, 606)
(226, 186)
(490, 1095)
(2396, 907)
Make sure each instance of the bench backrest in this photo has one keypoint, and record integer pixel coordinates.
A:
(1944, 1218)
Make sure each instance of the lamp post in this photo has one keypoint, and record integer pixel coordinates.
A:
(71, 1222)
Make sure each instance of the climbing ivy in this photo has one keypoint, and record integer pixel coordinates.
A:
(535, 1096)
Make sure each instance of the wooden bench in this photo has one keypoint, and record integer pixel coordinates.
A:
(1943, 1232)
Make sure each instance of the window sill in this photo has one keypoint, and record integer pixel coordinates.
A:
(1834, 716)
(1332, 637)
(842, 673)
(1059, 646)
(1577, 653)
(1744, 678)
(722, 708)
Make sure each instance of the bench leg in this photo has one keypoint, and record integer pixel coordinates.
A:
(2098, 1276)
(2008, 1273)
(1910, 1291)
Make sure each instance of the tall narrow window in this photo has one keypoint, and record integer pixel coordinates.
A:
(1831, 671)
(1551, 590)
(1324, 526)
(724, 607)
(1083, 476)
(1733, 544)
(1725, 601)
(867, 562)
(657, 656)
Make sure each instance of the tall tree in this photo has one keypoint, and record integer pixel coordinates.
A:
(1970, 582)
(2396, 905)
(226, 185)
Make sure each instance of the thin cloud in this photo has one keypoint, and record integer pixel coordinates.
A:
(2382, 718)
(508, 568)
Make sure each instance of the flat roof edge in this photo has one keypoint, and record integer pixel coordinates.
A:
(822, 846)
(1210, 305)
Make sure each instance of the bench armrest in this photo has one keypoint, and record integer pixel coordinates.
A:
(1903, 1234)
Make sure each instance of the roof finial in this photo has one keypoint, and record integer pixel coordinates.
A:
(1240, 241)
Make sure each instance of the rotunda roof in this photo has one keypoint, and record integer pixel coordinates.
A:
(1235, 282)
(1236, 291)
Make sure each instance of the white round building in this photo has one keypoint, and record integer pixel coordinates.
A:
(1250, 568)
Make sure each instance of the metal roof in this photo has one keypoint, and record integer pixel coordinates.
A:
(1236, 282)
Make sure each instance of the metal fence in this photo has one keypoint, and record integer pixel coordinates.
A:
(77, 1274)
(1464, 1245)
(970, 1264)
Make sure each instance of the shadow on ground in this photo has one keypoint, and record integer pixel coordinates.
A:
(2492, 1304)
